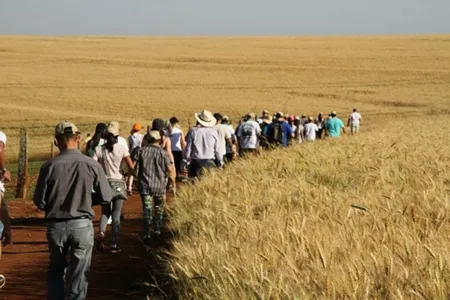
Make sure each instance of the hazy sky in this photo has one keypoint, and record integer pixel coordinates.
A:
(225, 17)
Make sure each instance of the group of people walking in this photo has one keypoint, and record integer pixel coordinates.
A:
(103, 169)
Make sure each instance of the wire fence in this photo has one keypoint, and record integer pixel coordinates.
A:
(24, 170)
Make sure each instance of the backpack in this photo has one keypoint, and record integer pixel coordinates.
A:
(276, 134)
(135, 153)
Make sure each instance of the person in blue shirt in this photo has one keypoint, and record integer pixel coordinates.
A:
(280, 131)
(334, 126)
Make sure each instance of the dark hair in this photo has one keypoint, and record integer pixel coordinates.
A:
(111, 140)
(100, 131)
(354, 109)
(218, 117)
(174, 120)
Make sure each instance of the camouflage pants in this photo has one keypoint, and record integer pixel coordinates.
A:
(152, 205)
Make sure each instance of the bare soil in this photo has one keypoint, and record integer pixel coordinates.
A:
(134, 273)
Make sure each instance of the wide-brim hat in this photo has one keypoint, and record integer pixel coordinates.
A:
(206, 118)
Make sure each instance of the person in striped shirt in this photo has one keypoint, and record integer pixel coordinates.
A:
(155, 168)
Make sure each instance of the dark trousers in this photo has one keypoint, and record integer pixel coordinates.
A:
(319, 133)
(5, 220)
(228, 158)
(178, 157)
(197, 166)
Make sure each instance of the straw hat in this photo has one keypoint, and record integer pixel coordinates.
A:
(206, 118)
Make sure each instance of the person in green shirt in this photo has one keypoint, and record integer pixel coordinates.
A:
(334, 126)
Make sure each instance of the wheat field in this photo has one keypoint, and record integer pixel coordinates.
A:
(91, 79)
(362, 217)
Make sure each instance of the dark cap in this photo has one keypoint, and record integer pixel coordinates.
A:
(158, 124)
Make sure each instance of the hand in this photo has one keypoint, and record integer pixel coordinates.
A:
(6, 176)
(174, 190)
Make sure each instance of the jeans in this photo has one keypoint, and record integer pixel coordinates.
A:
(114, 210)
(147, 207)
(1, 229)
(77, 236)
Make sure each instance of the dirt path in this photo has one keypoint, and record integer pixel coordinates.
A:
(118, 276)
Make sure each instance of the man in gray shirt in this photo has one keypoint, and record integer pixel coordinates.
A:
(64, 191)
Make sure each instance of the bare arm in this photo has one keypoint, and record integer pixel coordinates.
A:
(129, 163)
(168, 148)
(183, 141)
(172, 175)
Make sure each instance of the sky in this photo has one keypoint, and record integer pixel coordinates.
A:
(223, 18)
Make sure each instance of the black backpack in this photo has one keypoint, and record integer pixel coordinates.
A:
(276, 134)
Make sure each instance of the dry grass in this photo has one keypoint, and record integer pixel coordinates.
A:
(90, 79)
(282, 225)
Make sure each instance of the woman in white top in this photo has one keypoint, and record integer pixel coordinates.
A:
(110, 156)
(178, 142)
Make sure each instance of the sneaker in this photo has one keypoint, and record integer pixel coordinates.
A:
(99, 241)
(115, 249)
(2, 281)
(109, 221)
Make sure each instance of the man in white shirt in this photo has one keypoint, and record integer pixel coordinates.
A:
(353, 121)
(310, 130)
(248, 135)
(202, 145)
(224, 135)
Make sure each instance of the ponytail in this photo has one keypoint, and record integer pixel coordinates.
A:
(111, 140)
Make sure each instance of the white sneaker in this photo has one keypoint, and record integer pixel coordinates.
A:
(109, 221)
(2, 281)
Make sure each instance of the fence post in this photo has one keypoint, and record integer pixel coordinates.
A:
(21, 190)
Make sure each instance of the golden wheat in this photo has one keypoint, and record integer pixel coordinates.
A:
(361, 217)
(92, 79)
